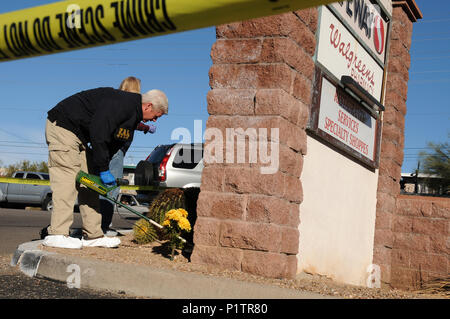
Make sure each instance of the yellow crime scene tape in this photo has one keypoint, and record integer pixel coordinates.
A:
(69, 25)
(10, 180)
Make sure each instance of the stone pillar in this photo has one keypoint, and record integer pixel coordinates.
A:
(262, 77)
(392, 140)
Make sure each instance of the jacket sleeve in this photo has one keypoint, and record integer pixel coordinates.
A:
(104, 124)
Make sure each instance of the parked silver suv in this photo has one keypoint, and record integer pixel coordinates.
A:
(172, 165)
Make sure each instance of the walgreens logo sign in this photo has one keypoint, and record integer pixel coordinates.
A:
(366, 20)
(342, 54)
(379, 35)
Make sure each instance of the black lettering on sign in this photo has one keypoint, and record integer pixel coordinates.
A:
(72, 33)
(99, 14)
(9, 44)
(83, 28)
(138, 18)
(151, 17)
(131, 19)
(124, 13)
(24, 40)
(369, 30)
(116, 23)
(359, 11)
(125, 16)
(61, 33)
(3, 55)
(40, 40)
(362, 14)
(364, 20)
(47, 32)
(168, 23)
(348, 9)
(141, 17)
(134, 18)
(89, 17)
(14, 39)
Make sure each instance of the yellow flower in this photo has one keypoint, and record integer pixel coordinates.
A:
(183, 212)
(184, 224)
(178, 215)
(166, 223)
(171, 214)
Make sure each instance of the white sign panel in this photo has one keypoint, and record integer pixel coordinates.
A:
(342, 118)
(341, 53)
(365, 19)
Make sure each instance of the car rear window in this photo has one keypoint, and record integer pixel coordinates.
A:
(46, 176)
(187, 158)
(32, 176)
(157, 155)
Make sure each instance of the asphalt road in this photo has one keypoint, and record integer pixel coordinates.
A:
(17, 226)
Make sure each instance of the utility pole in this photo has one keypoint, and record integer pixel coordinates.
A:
(416, 179)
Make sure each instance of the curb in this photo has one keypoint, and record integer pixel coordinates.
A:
(142, 281)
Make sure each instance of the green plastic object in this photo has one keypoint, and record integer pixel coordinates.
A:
(93, 182)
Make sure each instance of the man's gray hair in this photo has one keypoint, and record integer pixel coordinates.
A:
(159, 100)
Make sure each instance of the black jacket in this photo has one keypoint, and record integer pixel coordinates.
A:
(104, 117)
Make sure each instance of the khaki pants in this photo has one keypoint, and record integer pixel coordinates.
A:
(67, 156)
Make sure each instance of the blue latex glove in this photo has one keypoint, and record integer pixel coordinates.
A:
(107, 178)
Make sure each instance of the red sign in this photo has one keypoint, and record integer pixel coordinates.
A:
(378, 34)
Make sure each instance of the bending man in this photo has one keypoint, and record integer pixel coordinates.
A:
(83, 132)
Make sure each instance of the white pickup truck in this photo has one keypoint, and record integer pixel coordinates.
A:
(34, 194)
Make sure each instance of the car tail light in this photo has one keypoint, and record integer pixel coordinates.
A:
(162, 172)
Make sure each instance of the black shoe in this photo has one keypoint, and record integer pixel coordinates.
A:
(44, 232)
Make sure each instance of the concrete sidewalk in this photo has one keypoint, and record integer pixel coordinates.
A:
(142, 281)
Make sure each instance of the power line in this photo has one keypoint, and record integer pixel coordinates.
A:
(442, 57)
(45, 146)
(417, 148)
(430, 81)
(24, 153)
(115, 59)
(431, 71)
(21, 142)
(427, 114)
(156, 63)
(428, 34)
(46, 110)
(23, 146)
(434, 20)
(16, 136)
(431, 39)
(433, 51)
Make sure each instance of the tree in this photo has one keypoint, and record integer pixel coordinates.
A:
(436, 164)
(26, 165)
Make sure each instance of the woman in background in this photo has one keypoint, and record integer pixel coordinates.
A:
(133, 85)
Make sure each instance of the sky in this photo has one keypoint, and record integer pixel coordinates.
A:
(178, 64)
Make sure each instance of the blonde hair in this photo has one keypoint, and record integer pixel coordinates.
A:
(131, 84)
(158, 99)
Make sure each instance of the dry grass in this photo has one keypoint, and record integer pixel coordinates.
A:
(439, 286)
